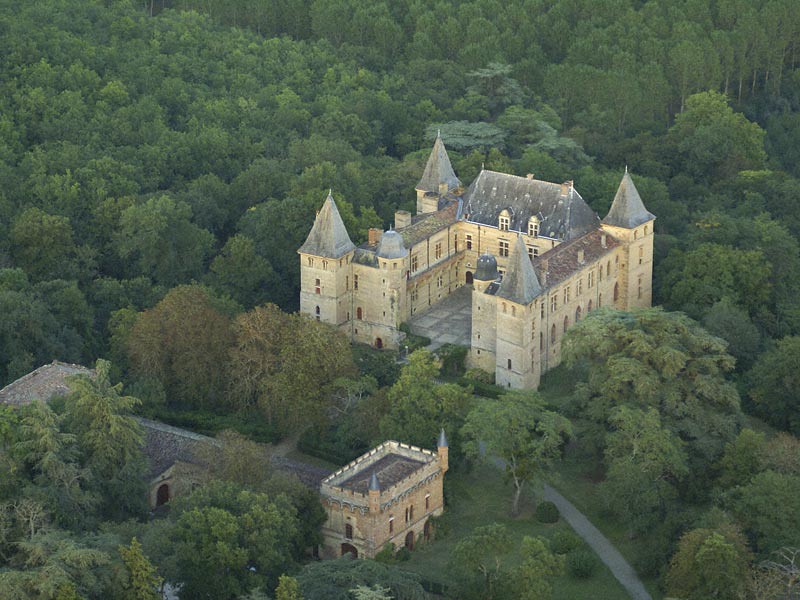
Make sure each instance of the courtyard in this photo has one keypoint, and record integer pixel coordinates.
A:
(448, 322)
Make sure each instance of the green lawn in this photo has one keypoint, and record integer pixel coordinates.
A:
(481, 497)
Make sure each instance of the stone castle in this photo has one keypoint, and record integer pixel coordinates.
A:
(537, 256)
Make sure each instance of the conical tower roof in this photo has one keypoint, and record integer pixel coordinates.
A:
(627, 210)
(374, 484)
(438, 170)
(328, 236)
(520, 283)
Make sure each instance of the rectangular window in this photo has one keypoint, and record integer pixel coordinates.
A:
(347, 282)
(355, 282)
(590, 279)
(541, 312)
(553, 303)
(469, 241)
(427, 502)
(504, 223)
(641, 254)
(509, 364)
(437, 251)
(533, 252)
(439, 281)
(640, 286)
(414, 295)
(580, 287)
(348, 531)
(317, 286)
(414, 263)
(503, 248)
(391, 524)
(566, 294)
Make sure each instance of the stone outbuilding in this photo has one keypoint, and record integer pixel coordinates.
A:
(386, 496)
(44, 383)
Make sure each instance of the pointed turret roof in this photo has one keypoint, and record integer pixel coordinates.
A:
(520, 283)
(374, 484)
(627, 210)
(328, 236)
(438, 170)
(442, 442)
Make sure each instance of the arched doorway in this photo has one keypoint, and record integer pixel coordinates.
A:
(469, 277)
(426, 531)
(349, 549)
(378, 343)
(162, 495)
(410, 540)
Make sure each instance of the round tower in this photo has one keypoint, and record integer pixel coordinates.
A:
(486, 272)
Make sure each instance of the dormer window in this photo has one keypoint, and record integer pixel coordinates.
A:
(505, 220)
(533, 227)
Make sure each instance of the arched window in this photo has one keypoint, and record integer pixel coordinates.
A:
(504, 221)
(359, 314)
(616, 292)
(636, 234)
(645, 229)
(599, 300)
(566, 323)
(589, 307)
(533, 226)
(577, 314)
(553, 334)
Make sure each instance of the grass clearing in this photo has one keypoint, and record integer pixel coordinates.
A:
(481, 497)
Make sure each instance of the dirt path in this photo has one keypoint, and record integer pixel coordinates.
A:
(616, 563)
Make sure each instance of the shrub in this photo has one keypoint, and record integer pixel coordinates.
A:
(403, 554)
(386, 555)
(479, 375)
(547, 512)
(564, 542)
(452, 358)
(581, 563)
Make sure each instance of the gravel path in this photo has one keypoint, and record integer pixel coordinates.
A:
(599, 543)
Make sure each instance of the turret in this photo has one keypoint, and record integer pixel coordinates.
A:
(325, 259)
(629, 221)
(486, 272)
(442, 449)
(437, 180)
(374, 494)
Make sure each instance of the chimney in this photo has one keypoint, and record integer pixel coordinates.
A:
(543, 264)
(374, 235)
(581, 257)
(402, 218)
(529, 175)
(603, 240)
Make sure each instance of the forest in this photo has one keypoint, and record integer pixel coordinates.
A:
(162, 161)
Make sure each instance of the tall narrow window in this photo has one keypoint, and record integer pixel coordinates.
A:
(427, 502)
(355, 282)
(469, 241)
(553, 303)
(580, 286)
(641, 255)
(533, 252)
(437, 251)
(316, 312)
(640, 287)
(317, 288)
(541, 341)
(310, 262)
(608, 269)
(503, 246)
(348, 531)
(553, 334)
(347, 282)
(509, 364)
(566, 294)
(566, 323)
(411, 512)
(577, 314)
(414, 263)
(616, 292)
(391, 524)
(359, 314)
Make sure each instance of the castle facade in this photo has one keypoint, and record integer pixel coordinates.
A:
(537, 256)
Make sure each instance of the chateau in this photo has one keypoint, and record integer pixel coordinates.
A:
(537, 256)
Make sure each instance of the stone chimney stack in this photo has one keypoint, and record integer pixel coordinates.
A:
(374, 235)
(581, 258)
(603, 240)
(402, 218)
(543, 264)
(529, 175)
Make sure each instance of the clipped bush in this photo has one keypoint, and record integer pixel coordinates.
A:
(547, 512)
(564, 542)
(581, 563)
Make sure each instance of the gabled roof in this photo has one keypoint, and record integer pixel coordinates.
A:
(328, 237)
(438, 170)
(627, 210)
(561, 211)
(520, 283)
(42, 383)
(165, 445)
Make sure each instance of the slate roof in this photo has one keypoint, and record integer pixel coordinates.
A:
(328, 236)
(561, 211)
(429, 224)
(520, 283)
(627, 210)
(562, 261)
(389, 470)
(42, 383)
(165, 445)
(438, 170)
(309, 475)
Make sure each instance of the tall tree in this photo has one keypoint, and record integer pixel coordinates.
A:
(518, 430)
